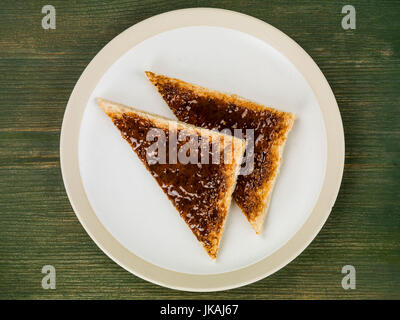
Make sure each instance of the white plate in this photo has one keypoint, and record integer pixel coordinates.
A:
(126, 200)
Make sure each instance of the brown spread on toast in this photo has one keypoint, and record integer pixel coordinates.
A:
(198, 191)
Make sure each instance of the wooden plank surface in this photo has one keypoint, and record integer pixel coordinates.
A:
(38, 70)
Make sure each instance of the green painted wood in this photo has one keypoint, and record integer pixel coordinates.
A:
(38, 70)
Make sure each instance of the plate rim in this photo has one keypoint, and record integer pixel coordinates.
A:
(139, 32)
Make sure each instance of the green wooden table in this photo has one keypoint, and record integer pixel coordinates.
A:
(38, 70)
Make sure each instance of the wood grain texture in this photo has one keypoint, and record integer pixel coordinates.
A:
(38, 70)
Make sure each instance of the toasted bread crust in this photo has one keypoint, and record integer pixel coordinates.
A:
(228, 172)
(258, 216)
(254, 202)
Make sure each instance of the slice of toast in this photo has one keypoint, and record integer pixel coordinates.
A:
(215, 110)
(200, 192)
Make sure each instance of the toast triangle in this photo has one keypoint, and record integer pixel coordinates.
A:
(216, 110)
(200, 192)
